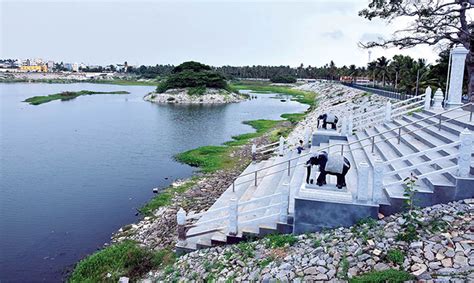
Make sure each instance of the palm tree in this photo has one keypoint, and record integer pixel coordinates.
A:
(382, 67)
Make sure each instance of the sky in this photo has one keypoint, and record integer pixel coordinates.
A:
(217, 33)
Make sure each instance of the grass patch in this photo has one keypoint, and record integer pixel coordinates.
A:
(389, 275)
(305, 97)
(209, 158)
(396, 256)
(164, 198)
(293, 117)
(122, 259)
(67, 95)
(279, 241)
(216, 157)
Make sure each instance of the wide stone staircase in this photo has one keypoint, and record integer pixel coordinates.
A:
(430, 144)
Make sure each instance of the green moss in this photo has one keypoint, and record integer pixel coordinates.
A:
(122, 259)
(67, 95)
(198, 90)
(389, 275)
(164, 198)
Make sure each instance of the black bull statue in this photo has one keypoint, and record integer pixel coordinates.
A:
(321, 160)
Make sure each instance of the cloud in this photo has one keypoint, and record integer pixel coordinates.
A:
(336, 34)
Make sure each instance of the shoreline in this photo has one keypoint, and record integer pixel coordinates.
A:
(156, 230)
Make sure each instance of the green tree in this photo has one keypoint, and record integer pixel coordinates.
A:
(431, 23)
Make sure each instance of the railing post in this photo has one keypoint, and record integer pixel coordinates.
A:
(344, 126)
(307, 137)
(438, 100)
(233, 186)
(285, 202)
(377, 182)
(289, 166)
(388, 112)
(373, 144)
(350, 125)
(255, 179)
(281, 146)
(342, 149)
(427, 98)
(181, 227)
(465, 149)
(399, 134)
(254, 152)
(363, 182)
(439, 124)
(470, 115)
(233, 216)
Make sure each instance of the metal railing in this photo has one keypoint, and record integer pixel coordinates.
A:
(391, 110)
(231, 214)
(371, 138)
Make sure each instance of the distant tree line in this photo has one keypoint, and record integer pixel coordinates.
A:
(400, 72)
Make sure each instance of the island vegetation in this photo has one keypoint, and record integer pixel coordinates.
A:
(66, 95)
(195, 76)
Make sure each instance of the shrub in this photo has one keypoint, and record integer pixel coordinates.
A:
(389, 275)
(396, 256)
(283, 79)
(279, 241)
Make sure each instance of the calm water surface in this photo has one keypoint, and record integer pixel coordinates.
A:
(72, 173)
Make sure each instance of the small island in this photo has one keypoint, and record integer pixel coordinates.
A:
(67, 95)
(194, 83)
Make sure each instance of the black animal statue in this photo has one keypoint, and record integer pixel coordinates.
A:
(321, 159)
(328, 119)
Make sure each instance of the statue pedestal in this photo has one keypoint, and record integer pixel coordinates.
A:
(323, 136)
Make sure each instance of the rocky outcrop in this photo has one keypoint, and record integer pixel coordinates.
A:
(182, 96)
(444, 250)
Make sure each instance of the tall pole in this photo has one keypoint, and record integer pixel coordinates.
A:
(417, 81)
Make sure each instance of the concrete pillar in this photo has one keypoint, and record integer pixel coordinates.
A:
(281, 146)
(458, 59)
(363, 182)
(350, 125)
(233, 216)
(285, 202)
(254, 152)
(465, 149)
(438, 100)
(181, 227)
(388, 112)
(377, 184)
(307, 137)
(427, 98)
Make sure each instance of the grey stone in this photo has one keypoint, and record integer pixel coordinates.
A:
(381, 266)
(461, 260)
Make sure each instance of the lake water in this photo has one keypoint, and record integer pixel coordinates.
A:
(73, 172)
